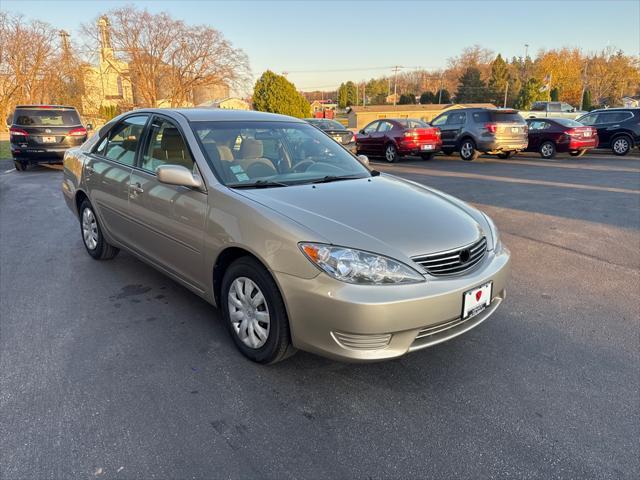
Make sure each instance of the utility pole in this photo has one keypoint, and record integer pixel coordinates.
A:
(395, 82)
(440, 89)
(364, 94)
(584, 85)
(506, 90)
(357, 93)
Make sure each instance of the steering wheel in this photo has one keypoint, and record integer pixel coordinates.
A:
(303, 166)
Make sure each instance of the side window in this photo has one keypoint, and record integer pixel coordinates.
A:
(371, 127)
(480, 117)
(441, 120)
(166, 147)
(605, 117)
(123, 140)
(589, 119)
(385, 126)
(554, 107)
(457, 118)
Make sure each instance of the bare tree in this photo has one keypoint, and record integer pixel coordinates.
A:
(168, 59)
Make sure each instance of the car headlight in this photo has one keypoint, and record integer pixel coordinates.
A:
(355, 266)
(495, 234)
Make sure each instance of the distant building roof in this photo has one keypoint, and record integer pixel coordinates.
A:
(417, 107)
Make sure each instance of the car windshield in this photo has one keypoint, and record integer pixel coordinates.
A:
(567, 122)
(247, 154)
(327, 124)
(46, 117)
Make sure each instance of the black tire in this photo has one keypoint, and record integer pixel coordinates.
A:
(505, 155)
(426, 156)
(447, 151)
(20, 165)
(578, 153)
(468, 150)
(277, 346)
(621, 145)
(102, 249)
(547, 150)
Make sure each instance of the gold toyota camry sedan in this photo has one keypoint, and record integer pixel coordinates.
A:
(298, 242)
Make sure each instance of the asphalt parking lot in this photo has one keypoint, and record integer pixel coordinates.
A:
(111, 370)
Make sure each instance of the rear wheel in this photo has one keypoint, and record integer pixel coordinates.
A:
(426, 156)
(254, 312)
(578, 153)
(94, 241)
(505, 155)
(548, 150)
(468, 150)
(20, 165)
(621, 145)
(391, 153)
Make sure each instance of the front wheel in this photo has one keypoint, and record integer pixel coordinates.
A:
(94, 241)
(254, 312)
(578, 153)
(391, 153)
(621, 145)
(548, 150)
(468, 151)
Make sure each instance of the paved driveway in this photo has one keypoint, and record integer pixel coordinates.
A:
(111, 370)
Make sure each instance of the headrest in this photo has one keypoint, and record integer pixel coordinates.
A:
(250, 148)
(171, 139)
(130, 144)
(225, 153)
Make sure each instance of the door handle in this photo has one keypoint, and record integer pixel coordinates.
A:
(89, 169)
(137, 188)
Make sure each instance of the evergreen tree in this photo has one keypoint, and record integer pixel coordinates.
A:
(554, 94)
(407, 99)
(471, 88)
(586, 101)
(427, 97)
(499, 80)
(529, 93)
(274, 93)
(442, 96)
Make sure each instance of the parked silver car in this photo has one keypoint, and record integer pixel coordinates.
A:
(298, 243)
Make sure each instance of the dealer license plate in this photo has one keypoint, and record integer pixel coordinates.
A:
(476, 300)
(48, 139)
(426, 147)
(586, 133)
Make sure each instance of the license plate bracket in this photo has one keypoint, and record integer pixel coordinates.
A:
(48, 139)
(476, 300)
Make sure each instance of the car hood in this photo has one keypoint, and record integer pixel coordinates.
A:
(383, 214)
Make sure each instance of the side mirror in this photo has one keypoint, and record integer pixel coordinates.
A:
(363, 159)
(361, 132)
(178, 175)
(89, 126)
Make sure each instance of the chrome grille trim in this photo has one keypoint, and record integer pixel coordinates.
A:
(356, 341)
(450, 262)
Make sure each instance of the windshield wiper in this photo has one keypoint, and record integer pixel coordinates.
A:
(335, 178)
(259, 184)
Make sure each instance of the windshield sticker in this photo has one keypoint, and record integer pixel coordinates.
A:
(242, 177)
(236, 169)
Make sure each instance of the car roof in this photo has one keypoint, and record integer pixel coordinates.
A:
(220, 115)
(46, 107)
(614, 109)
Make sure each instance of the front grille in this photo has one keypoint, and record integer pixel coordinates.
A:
(453, 262)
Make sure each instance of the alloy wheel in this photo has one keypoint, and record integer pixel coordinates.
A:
(467, 150)
(249, 312)
(390, 153)
(89, 229)
(547, 150)
(621, 146)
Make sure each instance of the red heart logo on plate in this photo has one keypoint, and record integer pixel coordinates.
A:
(478, 295)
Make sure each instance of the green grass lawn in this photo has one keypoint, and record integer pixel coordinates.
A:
(5, 153)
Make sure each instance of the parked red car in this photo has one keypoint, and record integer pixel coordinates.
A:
(393, 138)
(550, 135)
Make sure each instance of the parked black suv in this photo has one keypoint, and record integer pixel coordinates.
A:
(472, 131)
(618, 128)
(42, 133)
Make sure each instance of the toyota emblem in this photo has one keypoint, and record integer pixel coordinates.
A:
(464, 255)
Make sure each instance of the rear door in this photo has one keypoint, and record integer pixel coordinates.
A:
(169, 219)
(106, 175)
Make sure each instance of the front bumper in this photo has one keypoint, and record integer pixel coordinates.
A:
(368, 323)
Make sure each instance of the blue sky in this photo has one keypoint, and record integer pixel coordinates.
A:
(322, 43)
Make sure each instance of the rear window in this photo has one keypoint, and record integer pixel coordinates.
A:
(327, 124)
(412, 123)
(45, 117)
(506, 117)
(567, 122)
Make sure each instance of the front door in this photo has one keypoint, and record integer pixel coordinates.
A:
(365, 138)
(107, 171)
(170, 219)
(379, 137)
(445, 135)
